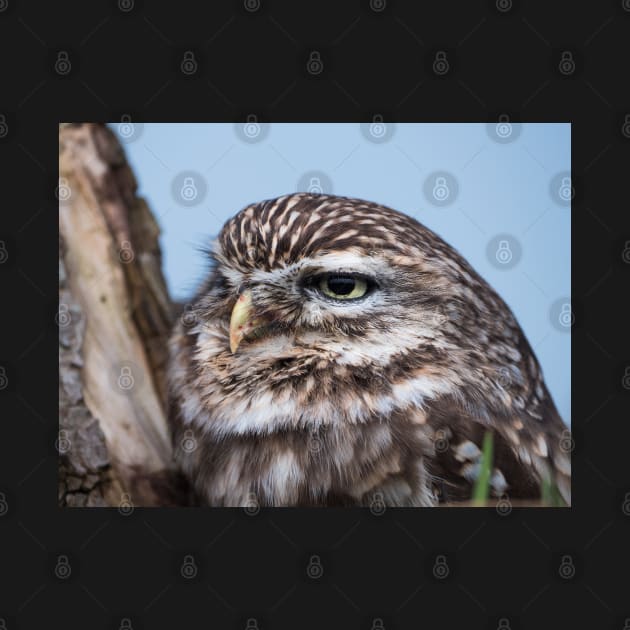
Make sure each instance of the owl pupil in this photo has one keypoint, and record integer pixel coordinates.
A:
(341, 285)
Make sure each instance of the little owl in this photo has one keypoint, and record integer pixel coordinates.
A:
(340, 353)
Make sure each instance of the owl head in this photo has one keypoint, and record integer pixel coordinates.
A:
(341, 276)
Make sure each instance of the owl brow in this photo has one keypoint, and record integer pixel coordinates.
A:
(319, 270)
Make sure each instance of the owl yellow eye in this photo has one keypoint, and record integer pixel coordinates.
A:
(342, 287)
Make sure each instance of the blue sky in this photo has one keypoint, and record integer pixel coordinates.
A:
(499, 194)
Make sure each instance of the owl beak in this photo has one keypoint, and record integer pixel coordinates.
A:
(241, 322)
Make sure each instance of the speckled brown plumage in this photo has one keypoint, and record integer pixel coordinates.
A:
(328, 402)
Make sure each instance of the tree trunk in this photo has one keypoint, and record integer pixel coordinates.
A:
(114, 319)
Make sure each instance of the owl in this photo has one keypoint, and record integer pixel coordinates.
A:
(339, 353)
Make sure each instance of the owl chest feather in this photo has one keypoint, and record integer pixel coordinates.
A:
(333, 466)
(295, 433)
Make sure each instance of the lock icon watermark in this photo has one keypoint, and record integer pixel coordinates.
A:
(441, 569)
(625, 380)
(4, 254)
(126, 381)
(441, 191)
(566, 66)
(63, 192)
(503, 6)
(566, 570)
(125, 126)
(503, 377)
(189, 316)
(378, 624)
(377, 504)
(189, 190)
(566, 192)
(314, 65)
(441, 64)
(625, 127)
(625, 506)
(441, 188)
(4, 506)
(252, 624)
(504, 254)
(4, 128)
(252, 128)
(125, 253)
(63, 66)
(4, 379)
(251, 5)
(126, 5)
(125, 507)
(504, 127)
(63, 570)
(377, 128)
(567, 443)
(314, 569)
(625, 255)
(63, 318)
(125, 624)
(440, 441)
(504, 624)
(504, 251)
(561, 189)
(63, 443)
(189, 442)
(566, 318)
(314, 443)
(503, 131)
(504, 505)
(188, 65)
(189, 568)
(315, 183)
(251, 507)
(315, 186)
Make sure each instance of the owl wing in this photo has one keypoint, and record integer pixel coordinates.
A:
(531, 443)
(519, 465)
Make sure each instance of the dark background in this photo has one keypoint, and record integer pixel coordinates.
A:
(503, 58)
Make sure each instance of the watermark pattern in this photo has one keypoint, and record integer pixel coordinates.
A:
(189, 188)
(314, 65)
(252, 130)
(561, 314)
(129, 131)
(441, 188)
(504, 131)
(504, 251)
(126, 377)
(561, 189)
(314, 568)
(378, 130)
(316, 183)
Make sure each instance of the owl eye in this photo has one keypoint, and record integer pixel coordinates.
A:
(342, 287)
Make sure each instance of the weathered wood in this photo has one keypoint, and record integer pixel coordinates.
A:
(114, 351)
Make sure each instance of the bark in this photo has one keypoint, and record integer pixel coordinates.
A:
(114, 319)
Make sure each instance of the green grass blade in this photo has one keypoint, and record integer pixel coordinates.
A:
(550, 495)
(481, 491)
